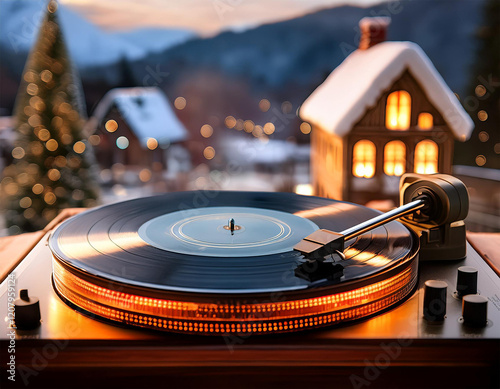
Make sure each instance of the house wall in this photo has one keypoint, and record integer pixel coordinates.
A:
(327, 161)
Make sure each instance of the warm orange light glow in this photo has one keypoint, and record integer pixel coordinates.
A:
(363, 159)
(18, 152)
(398, 111)
(180, 103)
(152, 143)
(425, 121)
(230, 122)
(248, 126)
(50, 198)
(269, 128)
(54, 174)
(244, 317)
(43, 134)
(209, 152)
(264, 105)
(304, 189)
(79, 147)
(51, 145)
(145, 175)
(37, 188)
(395, 158)
(480, 160)
(426, 157)
(111, 125)
(305, 128)
(25, 202)
(206, 131)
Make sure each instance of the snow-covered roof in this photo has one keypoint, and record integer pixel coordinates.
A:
(7, 133)
(358, 82)
(147, 112)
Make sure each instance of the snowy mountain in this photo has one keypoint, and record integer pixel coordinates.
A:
(153, 40)
(88, 44)
(305, 49)
(280, 61)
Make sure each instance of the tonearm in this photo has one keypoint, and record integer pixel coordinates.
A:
(433, 206)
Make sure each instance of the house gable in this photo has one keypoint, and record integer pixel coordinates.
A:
(375, 116)
(357, 83)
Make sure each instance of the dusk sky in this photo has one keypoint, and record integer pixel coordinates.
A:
(206, 17)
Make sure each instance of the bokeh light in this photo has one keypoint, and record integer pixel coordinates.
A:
(482, 115)
(145, 175)
(230, 122)
(51, 145)
(209, 152)
(305, 128)
(111, 125)
(480, 90)
(264, 105)
(180, 103)
(206, 131)
(480, 160)
(122, 142)
(152, 143)
(269, 128)
(483, 136)
(79, 147)
(18, 152)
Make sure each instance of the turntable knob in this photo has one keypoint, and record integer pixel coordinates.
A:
(466, 281)
(27, 311)
(475, 310)
(435, 300)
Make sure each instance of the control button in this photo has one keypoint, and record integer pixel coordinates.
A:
(27, 311)
(475, 310)
(466, 281)
(435, 300)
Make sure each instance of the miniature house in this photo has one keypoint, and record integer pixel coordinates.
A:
(135, 126)
(384, 111)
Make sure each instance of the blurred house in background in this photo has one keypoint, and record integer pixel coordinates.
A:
(7, 138)
(383, 112)
(135, 127)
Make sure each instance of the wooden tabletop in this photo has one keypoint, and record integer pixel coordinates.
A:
(14, 248)
(487, 244)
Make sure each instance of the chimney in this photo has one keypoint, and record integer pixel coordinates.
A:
(373, 31)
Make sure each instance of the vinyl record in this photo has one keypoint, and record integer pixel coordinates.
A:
(182, 242)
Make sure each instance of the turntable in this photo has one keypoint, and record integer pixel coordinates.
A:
(257, 285)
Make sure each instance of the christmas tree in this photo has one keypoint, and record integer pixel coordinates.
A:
(52, 159)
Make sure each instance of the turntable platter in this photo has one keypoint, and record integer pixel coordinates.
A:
(223, 248)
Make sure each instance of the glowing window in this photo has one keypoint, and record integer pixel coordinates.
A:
(394, 158)
(426, 157)
(425, 121)
(363, 159)
(398, 111)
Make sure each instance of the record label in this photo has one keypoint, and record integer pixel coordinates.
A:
(255, 231)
